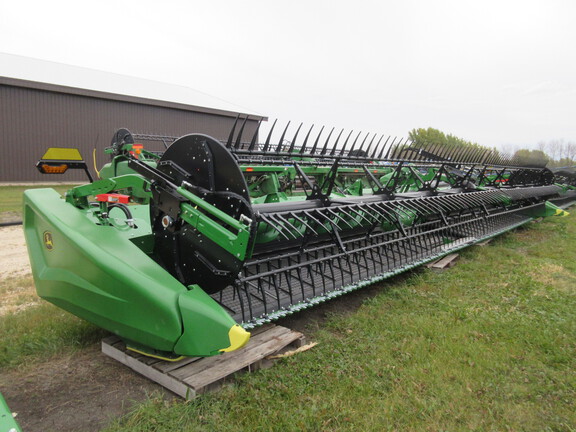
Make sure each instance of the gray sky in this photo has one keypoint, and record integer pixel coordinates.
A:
(501, 73)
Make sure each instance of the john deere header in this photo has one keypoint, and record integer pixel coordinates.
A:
(180, 253)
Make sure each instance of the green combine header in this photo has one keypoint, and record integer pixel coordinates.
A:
(180, 253)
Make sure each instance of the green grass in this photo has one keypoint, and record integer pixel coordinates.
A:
(488, 345)
(39, 330)
(11, 200)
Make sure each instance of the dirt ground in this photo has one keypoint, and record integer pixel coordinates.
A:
(73, 393)
(13, 254)
(86, 390)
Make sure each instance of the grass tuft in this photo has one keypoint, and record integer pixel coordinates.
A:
(41, 331)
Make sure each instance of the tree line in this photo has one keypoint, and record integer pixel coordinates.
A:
(556, 153)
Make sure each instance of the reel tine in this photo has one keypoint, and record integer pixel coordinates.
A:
(369, 145)
(488, 157)
(359, 214)
(303, 222)
(452, 151)
(466, 157)
(279, 148)
(438, 149)
(354, 143)
(336, 143)
(287, 222)
(483, 156)
(364, 141)
(240, 132)
(326, 143)
(293, 143)
(345, 143)
(462, 155)
(382, 148)
(389, 148)
(309, 214)
(313, 149)
(269, 136)
(255, 136)
(272, 225)
(417, 150)
(444, 151)
(329, 210)
(303, 148)
(346, 212)
(474, 156)
(397, 150)
(457, 153)
(231, 136)
(470, 155)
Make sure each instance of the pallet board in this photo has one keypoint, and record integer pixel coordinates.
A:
(192, 376)
(444, 263)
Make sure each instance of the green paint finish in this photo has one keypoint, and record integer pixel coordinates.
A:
(234, 243)
(7, 422)
(132, 184)
(118, 166)
(99, 273)
(206, 324)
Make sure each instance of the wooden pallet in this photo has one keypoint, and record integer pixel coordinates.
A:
(444, 262)
(192, 376)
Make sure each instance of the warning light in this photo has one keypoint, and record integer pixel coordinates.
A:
(53, 169)
(58, 160)
(249, 169)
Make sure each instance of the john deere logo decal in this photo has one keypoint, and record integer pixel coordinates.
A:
(48, 242)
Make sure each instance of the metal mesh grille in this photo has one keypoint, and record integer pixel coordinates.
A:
(277, 285)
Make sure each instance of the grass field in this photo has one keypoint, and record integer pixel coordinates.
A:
(488, 345)
(11, 200)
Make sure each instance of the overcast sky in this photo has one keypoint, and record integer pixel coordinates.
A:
(501, 73)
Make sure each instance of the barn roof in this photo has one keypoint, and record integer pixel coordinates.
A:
(51, 76)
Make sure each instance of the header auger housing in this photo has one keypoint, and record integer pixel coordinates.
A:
(180, 252)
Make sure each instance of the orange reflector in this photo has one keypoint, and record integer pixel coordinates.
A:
(356, 170)
(51, 169)
(249, 169)
(375, 171)
(136, 150)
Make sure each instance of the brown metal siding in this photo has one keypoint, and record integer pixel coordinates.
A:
(32, 120)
